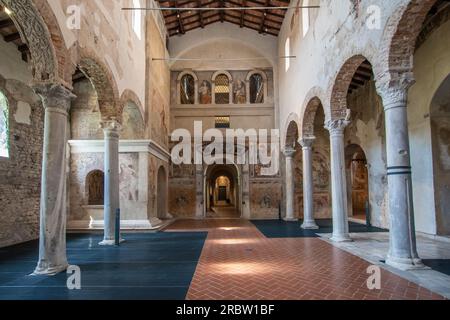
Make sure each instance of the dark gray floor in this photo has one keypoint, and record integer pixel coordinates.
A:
(146, 266)
(283, 229)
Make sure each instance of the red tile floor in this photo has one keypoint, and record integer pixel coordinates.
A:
(238, 262)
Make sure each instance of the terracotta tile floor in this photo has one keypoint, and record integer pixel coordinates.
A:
(238, 262)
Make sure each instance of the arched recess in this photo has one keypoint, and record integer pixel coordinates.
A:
(162, 190)
(180, 78)
(262, 93)
(95, 187)
(214, 206)
(395, 64)
(103, 81)
(440, 138)
(133, 121)
(215, 86)
(357, 182)
(341, 85)
(35, 34)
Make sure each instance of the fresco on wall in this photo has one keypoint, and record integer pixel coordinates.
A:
(159, 129)
(132, 123)
(204, 92)
(240, 96)
(128, 176)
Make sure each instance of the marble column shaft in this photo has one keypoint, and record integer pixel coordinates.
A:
(338, 180)
(402, 245)
(308, 184)
(56, 100)
(290, 182)
(111, 130)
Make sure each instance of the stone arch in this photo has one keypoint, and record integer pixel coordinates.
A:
(339, 92)
(399, 42)
(312, 102)
(63, 54)
(36, 35)
(103, 81)
(291, 131)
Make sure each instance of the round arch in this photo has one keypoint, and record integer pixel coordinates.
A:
(130, 95)
(339, 92)
(291, 131)
(399, 41)
(211, 173)
(103, 81)
(248, 84)
(36, 35)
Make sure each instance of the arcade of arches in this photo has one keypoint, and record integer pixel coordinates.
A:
(86, 122)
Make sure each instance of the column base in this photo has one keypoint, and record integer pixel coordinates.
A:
(49, 270)
(290, 219)
(309, 225)
(110, 242)
(341, 238)
(405, 264)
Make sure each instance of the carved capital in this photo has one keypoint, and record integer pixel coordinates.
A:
(394, 97)
(307, 142)
(111, 128)
(337, 127)
(55, 97)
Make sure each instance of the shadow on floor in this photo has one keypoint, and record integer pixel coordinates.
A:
(146, 266)
(283, 229)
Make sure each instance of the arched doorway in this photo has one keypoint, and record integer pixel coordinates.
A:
(161, 189)
(440, 136)
(222, 192)
(357, 183)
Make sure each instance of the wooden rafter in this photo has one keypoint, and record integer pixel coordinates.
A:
(265, 22)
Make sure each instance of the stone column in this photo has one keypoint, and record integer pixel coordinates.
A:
(290, 180)
(402, 245)
(111, 129)
(308, 184)
(52, 232)
(338, 180)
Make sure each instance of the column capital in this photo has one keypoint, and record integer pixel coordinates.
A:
(111, 127)
(54, 96)
(307, 142)
(337, 127)
(289, 152)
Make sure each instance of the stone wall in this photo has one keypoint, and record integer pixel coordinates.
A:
(20, 174)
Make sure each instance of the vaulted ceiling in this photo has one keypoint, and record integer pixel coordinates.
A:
(269, 21)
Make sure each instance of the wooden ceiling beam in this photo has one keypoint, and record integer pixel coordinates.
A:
(12, 37)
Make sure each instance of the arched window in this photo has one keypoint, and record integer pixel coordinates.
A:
(136, 18)
(287, 53)
(95, 187)
(305, 17)
(187, 89)
(4, 126)
(256, 88)
(222, 89)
